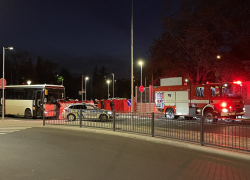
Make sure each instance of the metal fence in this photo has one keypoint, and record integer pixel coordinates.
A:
(228, 133)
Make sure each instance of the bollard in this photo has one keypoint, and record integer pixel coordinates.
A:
(202, 131)
(114, 120)
(80, 117)
(43, 117)
(152, 124)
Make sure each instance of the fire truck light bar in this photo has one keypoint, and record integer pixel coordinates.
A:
(237, 82)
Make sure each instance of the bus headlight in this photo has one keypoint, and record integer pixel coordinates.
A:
(225, 110)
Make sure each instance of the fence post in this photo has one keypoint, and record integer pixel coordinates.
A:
(202, 131)
(114, 120)
(152, 124)
(80, 117)
(43, 116)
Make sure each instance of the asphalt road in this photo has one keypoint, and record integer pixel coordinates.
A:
(36, 152)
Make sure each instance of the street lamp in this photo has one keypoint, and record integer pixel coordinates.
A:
(3, 80)
(82, 88)
(28, 82)
(218, 56)
(145, 89)
(113, 85)
(108, 81)
(86, 78)
(140, 62)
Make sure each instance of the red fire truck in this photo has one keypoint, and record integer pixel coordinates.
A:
(211, 100)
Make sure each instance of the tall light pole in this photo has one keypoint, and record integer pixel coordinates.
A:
(113, 85)
(145, 88)
(3, 81)
(108, 81)
(82, 88)
(132, 76)
(140, 62)
(86, 78)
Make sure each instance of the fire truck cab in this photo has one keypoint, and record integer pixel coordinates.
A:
(211, 100)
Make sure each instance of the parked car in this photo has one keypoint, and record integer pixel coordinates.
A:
(89, 111)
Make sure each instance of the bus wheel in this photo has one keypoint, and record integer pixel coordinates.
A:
(71, 117)
(169, 114)
(209, 117)
(28, 114)
(104, 117)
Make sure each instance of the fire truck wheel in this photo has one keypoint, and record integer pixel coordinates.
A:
(169, 114)
(209, 117)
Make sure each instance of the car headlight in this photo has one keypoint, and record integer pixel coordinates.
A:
(109, 112)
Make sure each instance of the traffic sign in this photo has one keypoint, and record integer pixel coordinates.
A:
(1, 83)
(141, 88)
(129, 102)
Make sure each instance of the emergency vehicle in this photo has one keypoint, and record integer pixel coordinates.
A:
(88, 111)
(211, 100)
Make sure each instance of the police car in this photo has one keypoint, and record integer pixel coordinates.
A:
(89, 111)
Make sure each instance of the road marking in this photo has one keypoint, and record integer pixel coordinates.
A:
(11, 129)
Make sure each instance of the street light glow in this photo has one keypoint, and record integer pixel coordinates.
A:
(86, 78)
(218, 56)
(140, 62)
(28, 82)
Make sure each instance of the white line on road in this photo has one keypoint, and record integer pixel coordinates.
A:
(11, 129)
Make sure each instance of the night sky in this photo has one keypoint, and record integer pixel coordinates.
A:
(79, 34)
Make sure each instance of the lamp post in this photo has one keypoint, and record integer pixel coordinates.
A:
(145, 88)
(86, 78)
(113, 85)
(132, 63)
(108, 81)
(3, 80)
(82, 87)
(140, 62)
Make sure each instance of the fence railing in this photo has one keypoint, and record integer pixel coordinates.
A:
(230, 133)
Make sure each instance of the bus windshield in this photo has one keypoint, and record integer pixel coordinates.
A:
(54, 95)
(232, 91)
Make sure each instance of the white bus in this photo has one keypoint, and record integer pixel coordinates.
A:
(29, 100)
